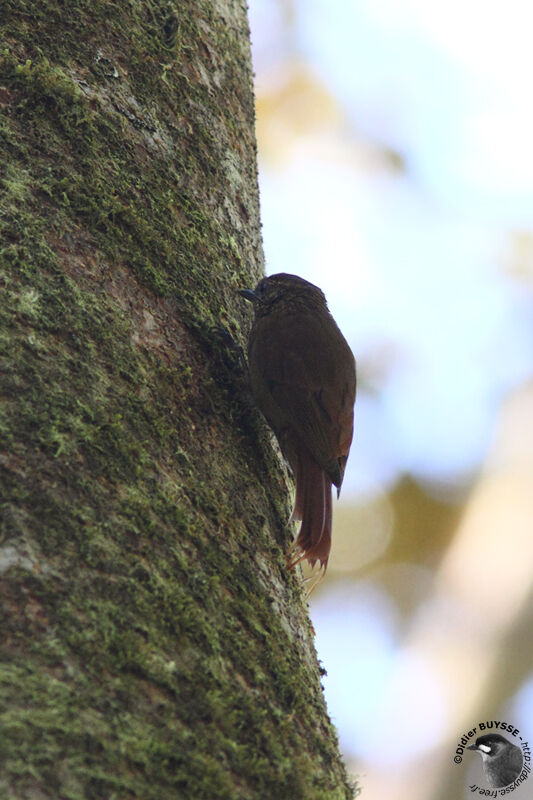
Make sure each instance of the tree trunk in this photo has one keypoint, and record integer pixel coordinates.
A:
(153, 643)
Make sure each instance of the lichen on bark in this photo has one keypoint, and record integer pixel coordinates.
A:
(153, 644)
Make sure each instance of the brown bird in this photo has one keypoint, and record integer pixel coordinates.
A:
(302, 374)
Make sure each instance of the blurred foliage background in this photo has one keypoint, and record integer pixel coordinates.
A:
(396, 173)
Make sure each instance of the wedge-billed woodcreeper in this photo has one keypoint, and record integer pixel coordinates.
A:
(302, 374)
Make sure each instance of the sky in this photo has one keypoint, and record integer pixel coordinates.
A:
(396, 172)
(413, 262)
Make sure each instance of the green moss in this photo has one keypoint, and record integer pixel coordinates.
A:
(143, 650)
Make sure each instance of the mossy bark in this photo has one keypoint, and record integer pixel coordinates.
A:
(153, 643)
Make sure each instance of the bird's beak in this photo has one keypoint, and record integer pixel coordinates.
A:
(472, 747)
(248, 294)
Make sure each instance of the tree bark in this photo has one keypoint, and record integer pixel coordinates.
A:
(153, 643)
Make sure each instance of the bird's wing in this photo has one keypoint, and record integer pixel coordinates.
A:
(507, 775)
(305, 390)
(507, 767)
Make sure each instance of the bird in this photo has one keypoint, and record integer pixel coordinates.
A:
(502, 760)
(303, 379)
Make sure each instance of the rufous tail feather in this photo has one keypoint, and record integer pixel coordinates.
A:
(313, 508)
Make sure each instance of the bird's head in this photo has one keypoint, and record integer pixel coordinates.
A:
(490, 746)
(290, 289)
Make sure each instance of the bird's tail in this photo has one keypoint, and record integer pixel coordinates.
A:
(313, 508)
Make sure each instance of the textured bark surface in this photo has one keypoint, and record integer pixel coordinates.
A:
(152, 643)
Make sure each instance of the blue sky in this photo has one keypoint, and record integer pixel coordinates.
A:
(419, 267)
(412, 263)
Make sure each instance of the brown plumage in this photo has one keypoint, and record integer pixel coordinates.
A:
(302, 373)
